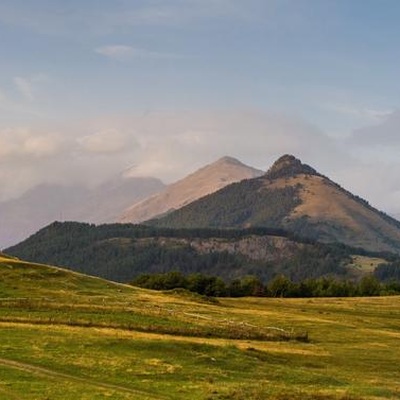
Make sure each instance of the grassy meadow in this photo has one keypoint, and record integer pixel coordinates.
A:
(67, 336)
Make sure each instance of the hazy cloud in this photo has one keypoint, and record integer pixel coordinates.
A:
(180, 12)
(28, 158)
(41, 146)
(169, 145)
(23, 142)
(365, 114)
(385, 133)
(175, 143)
(106, 141)
(115, 51)
(63, 18)
(24, 86)
(10, 107)
(123, 52)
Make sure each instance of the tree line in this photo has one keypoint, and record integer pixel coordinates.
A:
(279, 286)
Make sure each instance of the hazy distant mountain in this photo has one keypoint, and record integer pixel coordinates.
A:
(293, 196)
(44, 204)
(206, 180)
(37, 207)
(106, 202)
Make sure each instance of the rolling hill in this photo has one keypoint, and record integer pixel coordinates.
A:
(295, 197)
(65, 336)
(206, 180)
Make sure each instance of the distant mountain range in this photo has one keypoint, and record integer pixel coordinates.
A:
(44, 204)
(295, 197)
(290, 220)
(121, 199)
(225, 194)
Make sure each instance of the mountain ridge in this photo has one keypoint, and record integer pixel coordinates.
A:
(121, 252)
(293, 196)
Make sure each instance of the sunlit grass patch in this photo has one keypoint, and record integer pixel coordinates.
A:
(126, 343)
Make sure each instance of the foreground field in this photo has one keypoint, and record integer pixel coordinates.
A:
(67, 336)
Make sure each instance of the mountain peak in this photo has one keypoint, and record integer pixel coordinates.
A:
(200, 183)
(288, 166)
(228, 160)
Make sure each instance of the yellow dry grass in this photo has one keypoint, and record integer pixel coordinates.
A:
(322, 201)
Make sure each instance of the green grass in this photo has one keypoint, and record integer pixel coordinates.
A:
(363, 265)
(68, 336)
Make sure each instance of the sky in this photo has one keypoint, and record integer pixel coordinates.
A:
(90, 88)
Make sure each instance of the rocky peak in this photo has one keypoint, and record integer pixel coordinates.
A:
(288, 166)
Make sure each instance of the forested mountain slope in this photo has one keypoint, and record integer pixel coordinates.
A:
(122, 251)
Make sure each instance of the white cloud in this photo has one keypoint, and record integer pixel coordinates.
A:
(115, 51)
(41, 146)
(107, 141)
(123, 52)
(28, 86)
(28, 158)
(364, 114)
(23, 142)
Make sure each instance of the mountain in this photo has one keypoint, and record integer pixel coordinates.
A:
(295, 197)
(36, 208)
(105, 202)
(121, 252)
(206, 180)
(46, 203)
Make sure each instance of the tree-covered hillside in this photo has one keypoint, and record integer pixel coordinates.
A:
(122, 252)
(243, 204)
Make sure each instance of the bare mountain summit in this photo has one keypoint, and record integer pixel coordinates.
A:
(204, 181)
(295, 197)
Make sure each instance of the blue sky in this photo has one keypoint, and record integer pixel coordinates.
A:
(318, 58)
(169, 85)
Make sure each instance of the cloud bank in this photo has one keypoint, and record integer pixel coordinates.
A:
(169, 145)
